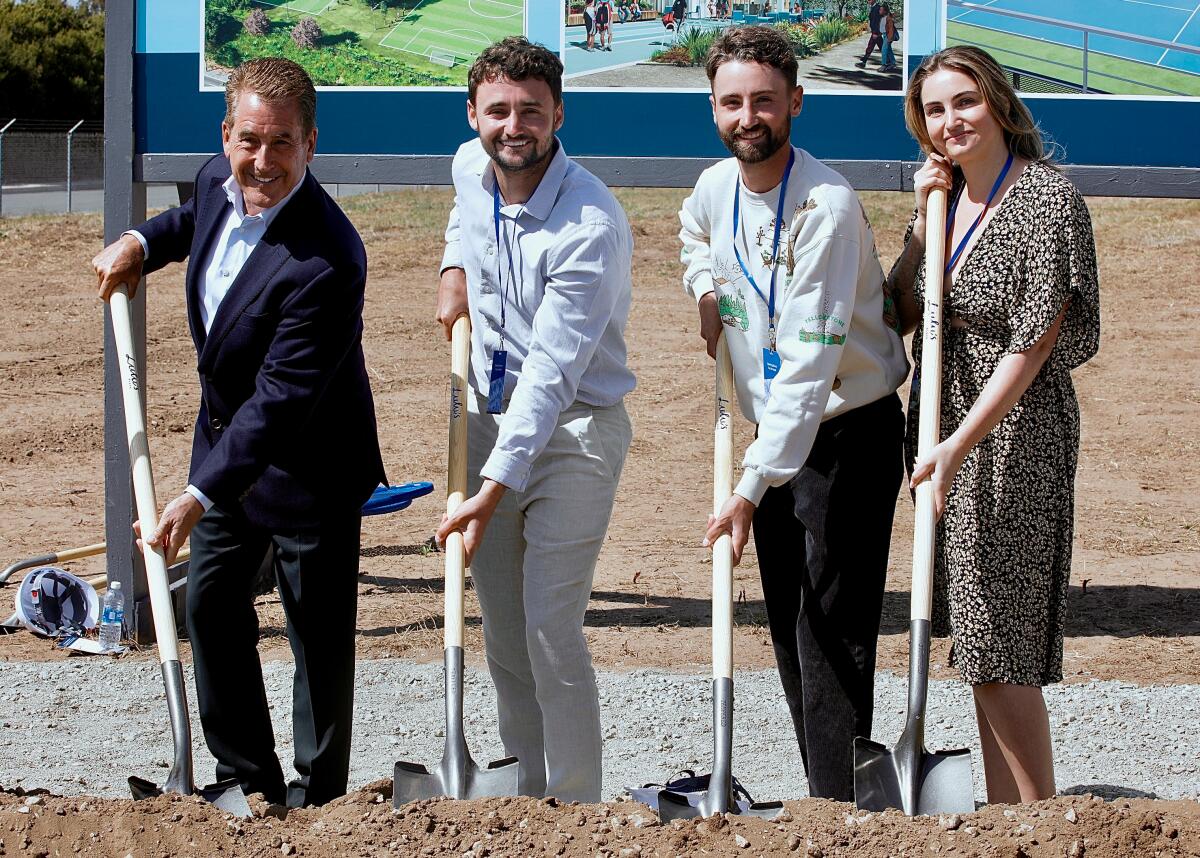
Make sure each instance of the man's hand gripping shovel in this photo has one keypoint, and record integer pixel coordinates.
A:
(719, 796)
(457, 776)
(909, 777)
(227, 795)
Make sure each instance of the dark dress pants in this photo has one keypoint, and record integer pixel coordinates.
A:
(317, 573)
(875, 41)
(822, 543)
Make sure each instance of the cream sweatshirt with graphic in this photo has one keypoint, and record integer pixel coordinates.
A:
(835, 336)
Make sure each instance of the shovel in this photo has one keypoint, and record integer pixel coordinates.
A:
(719, 796)
(909, 777)
(227, 795)
(457, 776)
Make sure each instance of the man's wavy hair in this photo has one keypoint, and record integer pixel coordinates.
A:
(757, 44)
(276, 81)
(516, 58)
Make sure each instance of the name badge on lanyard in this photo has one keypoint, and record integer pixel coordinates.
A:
(496, 381)
(771, 364)
(771, 359)
(499, 357)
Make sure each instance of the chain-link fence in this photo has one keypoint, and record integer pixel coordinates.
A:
(45, 164)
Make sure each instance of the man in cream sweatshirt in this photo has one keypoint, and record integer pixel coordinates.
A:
(781, 260)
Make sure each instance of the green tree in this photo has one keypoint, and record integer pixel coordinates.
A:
(51, 59)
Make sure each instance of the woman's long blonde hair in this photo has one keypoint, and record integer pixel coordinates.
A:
(1021, 133)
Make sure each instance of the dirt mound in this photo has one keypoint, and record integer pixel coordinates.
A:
(363, 823)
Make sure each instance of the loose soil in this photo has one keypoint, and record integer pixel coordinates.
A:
(1134, 602)
(363, 823)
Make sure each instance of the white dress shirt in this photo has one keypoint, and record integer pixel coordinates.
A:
(563, 273)
(240, 234)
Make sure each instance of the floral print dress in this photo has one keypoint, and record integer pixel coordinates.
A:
(1004, 542)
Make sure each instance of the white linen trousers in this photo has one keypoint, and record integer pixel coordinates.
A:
(533, 574)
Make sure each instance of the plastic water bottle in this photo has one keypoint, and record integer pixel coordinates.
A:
(112, 616)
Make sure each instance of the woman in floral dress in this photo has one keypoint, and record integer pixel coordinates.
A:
(1021, 310)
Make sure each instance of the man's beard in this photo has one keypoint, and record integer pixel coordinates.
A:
(754, 153)
(532, 158)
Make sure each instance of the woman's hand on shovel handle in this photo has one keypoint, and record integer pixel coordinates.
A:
(119, 264)
(472, 517)
(174, 526)
(941, 467)
(735, 519)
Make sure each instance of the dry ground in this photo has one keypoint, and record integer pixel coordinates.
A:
(1134, 602)
(363, 823)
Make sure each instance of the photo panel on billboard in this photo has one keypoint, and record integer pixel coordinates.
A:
(358, 43)
(1095, 47)
(662, 44)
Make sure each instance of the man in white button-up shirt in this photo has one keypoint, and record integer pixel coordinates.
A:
(544, 252)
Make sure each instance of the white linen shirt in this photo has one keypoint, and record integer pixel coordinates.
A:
(564, 275)
(240, 234)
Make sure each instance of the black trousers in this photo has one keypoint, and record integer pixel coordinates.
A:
(822, 544)
(317, 573)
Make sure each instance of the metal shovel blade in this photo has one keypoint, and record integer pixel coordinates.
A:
(912, 779)
(457, 776)
(674, 805)
(909, 777)
(226, 795)
(718, 798)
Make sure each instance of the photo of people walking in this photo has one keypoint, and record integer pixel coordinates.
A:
(666, 47)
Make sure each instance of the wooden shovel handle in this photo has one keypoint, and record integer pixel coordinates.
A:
(456, 478)
(929, 429)
(143, 476)
(100, 582)
(79, 553)
(722, 555)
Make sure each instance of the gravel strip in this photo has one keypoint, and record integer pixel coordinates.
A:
(84, 726)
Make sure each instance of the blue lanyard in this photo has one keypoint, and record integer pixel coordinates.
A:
(499, 270)
(954, 207)
(769, 299)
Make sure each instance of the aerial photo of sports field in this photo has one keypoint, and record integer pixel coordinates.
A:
(1121, 47)
(359, 42)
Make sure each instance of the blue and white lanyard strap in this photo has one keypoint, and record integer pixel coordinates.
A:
(768, 299)
(954, 207)
(499, 270)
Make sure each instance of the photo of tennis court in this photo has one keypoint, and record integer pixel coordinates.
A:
(455, 31)
(1120, 47)
(633, 42)
(359, 42)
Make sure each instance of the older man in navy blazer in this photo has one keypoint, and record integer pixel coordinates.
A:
(285, 450)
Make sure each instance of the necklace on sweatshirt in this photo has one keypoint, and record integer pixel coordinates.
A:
(771, 359)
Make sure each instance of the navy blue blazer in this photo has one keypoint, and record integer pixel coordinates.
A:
(286, 428)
